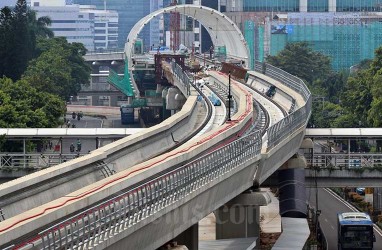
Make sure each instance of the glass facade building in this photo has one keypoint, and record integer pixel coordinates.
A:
(358, 5)
(271, 5)
(348, 31)
(130, 12)
(347, 38)
(318, 6)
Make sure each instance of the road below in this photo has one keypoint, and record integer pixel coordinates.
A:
(330, 205)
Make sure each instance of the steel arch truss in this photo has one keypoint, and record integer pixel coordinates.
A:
(222, 30)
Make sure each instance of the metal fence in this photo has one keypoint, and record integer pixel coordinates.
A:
(183, 77)
(94, 225)
(12, 161)
(299, 117)
(111, 217)
(342, 160)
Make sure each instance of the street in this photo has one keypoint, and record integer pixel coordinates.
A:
(330, 205)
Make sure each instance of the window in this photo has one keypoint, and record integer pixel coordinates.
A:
(350, 5)
(100, 25)
(97, 38)
(80, 16)
(100, 31)
(63, 21)
(318, 6)
(271, 5)
(63, 29)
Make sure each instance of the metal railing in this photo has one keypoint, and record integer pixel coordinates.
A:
(343, 160)
(299, 117)
(88, 228)
(183, 77)
(22, 161)
(105, 51)
(111, 217)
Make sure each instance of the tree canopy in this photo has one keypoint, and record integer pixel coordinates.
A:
(300, 60)
(59, 67)
(362, 97)
(22, 106)
(339, 100)
(19, 29)
(325, 84)
(37, 71)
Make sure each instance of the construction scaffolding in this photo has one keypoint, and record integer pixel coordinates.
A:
(174, 28)
(347, 38)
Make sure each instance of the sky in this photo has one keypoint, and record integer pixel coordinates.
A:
(6, 3)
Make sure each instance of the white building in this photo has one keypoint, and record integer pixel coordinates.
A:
(67, 21)
(105, 27)
(96, 29)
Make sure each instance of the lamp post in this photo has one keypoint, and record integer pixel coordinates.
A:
(229, 96)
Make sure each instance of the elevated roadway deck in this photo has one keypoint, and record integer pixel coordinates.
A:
(206, 210)
(121, 209)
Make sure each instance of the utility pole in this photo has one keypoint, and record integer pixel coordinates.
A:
(229, 96)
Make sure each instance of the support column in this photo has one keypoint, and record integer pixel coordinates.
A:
(332, 5)
(240, 217)
(189, 238)
(292, 188)
(303, 5)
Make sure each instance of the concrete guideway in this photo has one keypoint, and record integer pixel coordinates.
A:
(212, 189)
(221, 134)
(83, 171)
(240, 191)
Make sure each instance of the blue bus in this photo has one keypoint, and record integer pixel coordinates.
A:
(355, 231)
(127, 114)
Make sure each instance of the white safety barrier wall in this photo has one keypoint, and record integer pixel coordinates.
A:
(296, 119)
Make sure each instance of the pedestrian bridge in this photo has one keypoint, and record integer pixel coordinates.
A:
(151, 197)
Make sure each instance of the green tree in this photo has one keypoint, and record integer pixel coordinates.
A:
(59, 67)
(5, 39)
(314, 68)
(22, 106)
(19, 29)
(300, 60)
(39, 26)
(357, 98)
(50, 72)
(333, 85)
(22, 44)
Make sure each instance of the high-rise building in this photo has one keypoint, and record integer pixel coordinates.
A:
(347, 31)
(96, 29)
(105, 27)
(67, 21)
(130, 12)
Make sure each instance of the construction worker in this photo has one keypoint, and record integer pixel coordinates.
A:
(78, 145)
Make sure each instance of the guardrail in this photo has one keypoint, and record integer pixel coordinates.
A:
(105, 51)
(33, 160)
(299, 117)
(105, 220)
(111, 217)
(183, 77)
(343, 160)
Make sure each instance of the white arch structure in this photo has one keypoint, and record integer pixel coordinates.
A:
(222, 30)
